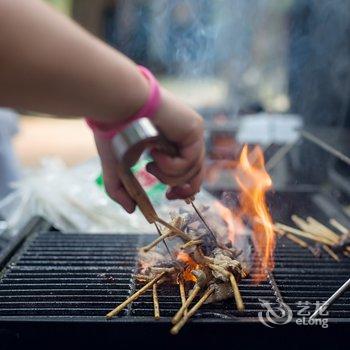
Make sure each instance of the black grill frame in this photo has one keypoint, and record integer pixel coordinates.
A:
(92, 331)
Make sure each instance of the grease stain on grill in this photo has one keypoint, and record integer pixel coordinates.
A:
(84, 275)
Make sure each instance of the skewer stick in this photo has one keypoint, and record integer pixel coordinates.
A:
(302, 224)
(304, 234)
(315, 227)
(340, 227)
(155, 302)
(156, 241)
(293, 238)
(297, 240)
(133, 297)
(236, 293)
(330, 252)
(175, 330)
(172, 228)
(187, 303)
(191, 243)
(202, 219)
(232, 279)
(323, 229)
(165, 244)
(182, 294)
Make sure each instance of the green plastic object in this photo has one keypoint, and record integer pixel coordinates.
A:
(154, 189)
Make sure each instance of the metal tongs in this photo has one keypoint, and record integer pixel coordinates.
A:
(128, 146)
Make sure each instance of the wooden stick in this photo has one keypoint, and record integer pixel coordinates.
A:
(330, 252)
(187, 303)
(182, 294)
(297, 240)
(175, 330)
(182, 234)
(236, 293)
(155, 302)
(324, 229)
(293, 238)
(315, 227)
(304, 234)
(156, 241)
(341, 228)
(301, 223)
(191, 243)
(232, 279)
(119, 308)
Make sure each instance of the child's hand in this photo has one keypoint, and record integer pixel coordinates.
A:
(179, 124)
(184, 127)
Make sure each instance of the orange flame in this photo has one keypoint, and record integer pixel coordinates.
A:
(190, 266)
(254, 181)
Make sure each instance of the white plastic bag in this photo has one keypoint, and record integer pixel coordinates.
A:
(71, 200)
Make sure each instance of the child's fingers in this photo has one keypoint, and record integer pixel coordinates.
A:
(113, 185)
(186, 190)
(153, 169)
(118, 193)
(178, 166)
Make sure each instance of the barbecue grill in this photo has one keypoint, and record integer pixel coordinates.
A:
(56, 288)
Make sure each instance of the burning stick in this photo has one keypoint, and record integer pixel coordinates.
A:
(182, 294)
(133, 297)
(155, 302)
(330, 252)
(201, 280)
(175, 330)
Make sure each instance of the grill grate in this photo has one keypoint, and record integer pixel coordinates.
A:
(61, 276)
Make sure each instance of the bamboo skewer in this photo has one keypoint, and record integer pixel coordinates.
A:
(233, 282)
(330, 252)
(156, 241)
(339, 226)
(304, 234)
(177, 327)
(191, 243)
(236, 293)
(322, 228)
(119, 308)
(297, 240)
(182, 234)
(187, 303)
(155, 302)
(182, 294)
(293, 238)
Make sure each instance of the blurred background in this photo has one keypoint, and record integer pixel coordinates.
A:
(228, 59)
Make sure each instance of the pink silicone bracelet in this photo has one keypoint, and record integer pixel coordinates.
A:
(108, 131)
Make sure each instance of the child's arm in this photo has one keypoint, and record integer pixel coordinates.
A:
(49, 64)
